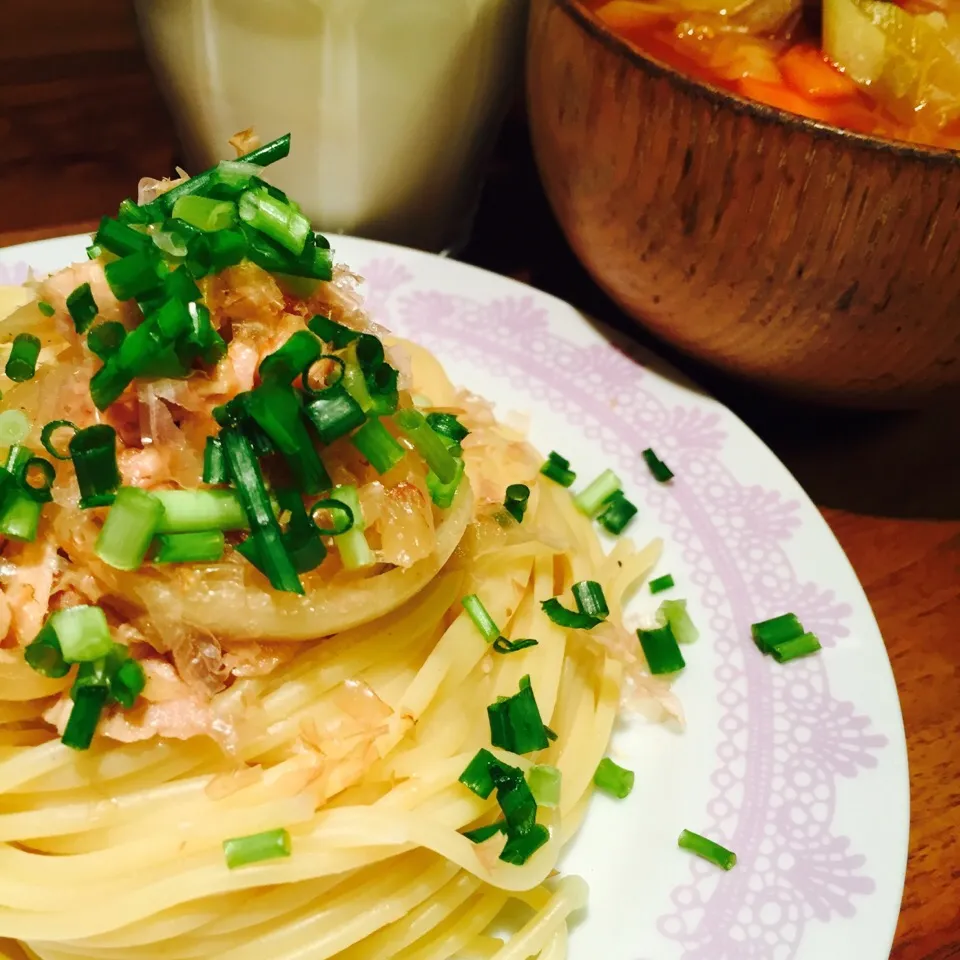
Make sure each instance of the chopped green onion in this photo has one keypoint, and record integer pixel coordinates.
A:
(130, 525)
(613, 779)
(482, 834)
(270, 152)
(213, 252)
(341, 517)
(205, 214)
(332, 332)
(503, 645)
(515, 500)
(481, 618)
(17, 456)
(707, 849)
(47, 309)
(319, 383)
(443, 494)
(132, 276)
(355, 552)
(88, 703)
(477, 776)
(315, 262)
(44, 655)
(119, 238)
(284, 365)
(179, 285)
(674, 613)
(14, 427)
(82, 307)
(661, 649)
(94, 251)
(661, 472)
(127, 680)
(515, 723)
(94, 454)
(661, 583)
(447, 425)
(521, 847)
(46, 437)
(427, 443)
(193, 511)
(378, 446)
(616, 513)
(105, 339)
(19, 516)
(204, 546)
(797, 647)
(174, 245)
(278, 220)
(236, 174)
(202, 337)
(214, 467)
(22, 362)
(591, 500)
(130, 212)
(246, 475)
(557, 468)
(82, 632)
(590, 600)
(569, 619)
(269, 845)
(42, 492)
(334, 413)
(544, 782)
(768, 633)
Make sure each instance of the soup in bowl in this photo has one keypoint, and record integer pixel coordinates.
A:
(764, 195)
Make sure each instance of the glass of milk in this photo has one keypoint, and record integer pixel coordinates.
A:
(393, 104)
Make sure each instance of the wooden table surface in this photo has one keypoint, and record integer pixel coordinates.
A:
(81, 121)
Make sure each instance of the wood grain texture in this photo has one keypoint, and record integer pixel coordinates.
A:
(819, 262)
(873, 474)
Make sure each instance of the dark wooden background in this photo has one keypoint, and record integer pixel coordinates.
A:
(81, 121)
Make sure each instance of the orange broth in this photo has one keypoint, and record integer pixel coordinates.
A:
(789, 73)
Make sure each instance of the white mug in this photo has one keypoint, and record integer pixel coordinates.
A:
(393, 104)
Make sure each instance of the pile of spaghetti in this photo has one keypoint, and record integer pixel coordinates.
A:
(304, 654)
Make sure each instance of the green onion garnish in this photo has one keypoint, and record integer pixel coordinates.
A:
(443, 494)
(270, 152)
(205, 214)
(590, 500)
(503, 645)
(132, 276)
(129, 212)
(482, 834)
(214, 466)
(82, 632)
(331, 517)
(707, 849)
(334, 413)
(119, 238)
(378, 446)
(127, 680)
(661, 649)
(674, 613)
(82, 307)
(46, 437)
(544, 782)
(179, 285)
(447, 425)
(481, 618)
(14, 427)
(797, 647)
(193, 511)
(616, 512)
(557, 468)
(47, 309)
(285, 364)
(613, 779)
(661, 583)
(515, 722)
(94, 454)
(332, 332)
(280, 221)
(323, 375)
(521, 847)
(20, 515)
(94, 251)
(428, 444)
(44, 655)
(246, 475)
(204, 546)
(105, 339)
(88, 703)
(269, 845)
(22, 362)
(36, 476)
(524, 834)
(569, 619)
(515, 500)
(355, 552)
(477, 776)
(768, 633)
(661, 472)
(130, 525)
(590, 600)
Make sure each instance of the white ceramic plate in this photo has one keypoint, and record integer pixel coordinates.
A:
(801, 769)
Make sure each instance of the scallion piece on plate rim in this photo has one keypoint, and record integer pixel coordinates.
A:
(661, 472)
(707, 850)
(590, 500)
(611, 778)
(557, 469)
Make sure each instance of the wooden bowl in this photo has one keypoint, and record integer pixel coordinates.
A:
(820, 262)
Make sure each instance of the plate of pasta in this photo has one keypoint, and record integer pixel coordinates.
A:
(360, 604)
